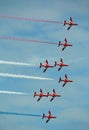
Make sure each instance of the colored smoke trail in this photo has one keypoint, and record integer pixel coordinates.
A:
(13, 93)
(15, 63)
(28, 19)
(23, 76)
(24, 40)
(18, 114)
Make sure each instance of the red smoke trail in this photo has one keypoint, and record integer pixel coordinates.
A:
(25, 40)
(28, 19)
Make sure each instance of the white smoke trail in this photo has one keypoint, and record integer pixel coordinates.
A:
(15, 63)
(23, 76)
(14, 93)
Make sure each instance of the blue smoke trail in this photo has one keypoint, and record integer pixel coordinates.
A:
(18, 114)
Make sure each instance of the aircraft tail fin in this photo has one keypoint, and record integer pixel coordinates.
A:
(55, 63)
(40, 65)
(43, 116)
(47, 94)
(64, 22)
(59, 43)
(59, 80)
(34, 94)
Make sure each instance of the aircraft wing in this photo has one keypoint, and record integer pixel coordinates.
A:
(47, 120)
(69, 27)
(49, 112)
(38, 99)
(59, 68)
(63, 48)
(44, 69)
(64, 84)
(51, 99)
(61, 60)
(41, 91)
(71, 19)
(54, 91)
(46, 61)
(66, 76)
(65, 40)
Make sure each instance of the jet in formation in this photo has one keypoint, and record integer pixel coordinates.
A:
(49, 116)
(65, 80)
(46, 66)
(64, 44)
(70, 23)
(61, 64)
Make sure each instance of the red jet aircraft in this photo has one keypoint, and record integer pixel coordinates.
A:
(65, 44)
(49, 116)
(40, 95)
(70, 23)
(46, 66)
(53, 95)
(61, 64)
(66, 80)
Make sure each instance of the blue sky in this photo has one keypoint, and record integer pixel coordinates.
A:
(72, 109)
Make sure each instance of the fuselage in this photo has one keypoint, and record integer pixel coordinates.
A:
(71, 23)
(41, 95)
(66, 44)
(62, 64)
(54, 95)
(66, 80)
(47, 66)
(49, 116)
